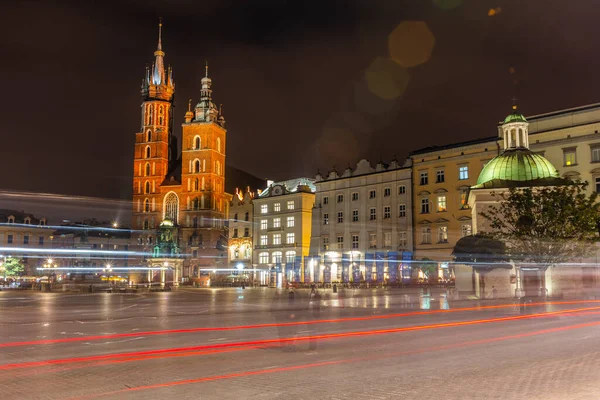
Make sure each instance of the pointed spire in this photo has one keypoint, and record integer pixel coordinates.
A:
(206, 68)
(158, 73)
(190, 105)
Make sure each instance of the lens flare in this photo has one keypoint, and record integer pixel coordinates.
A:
(411, 43)
(386, 79)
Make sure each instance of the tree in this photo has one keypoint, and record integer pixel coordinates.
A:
(13, 266)
(546, 226)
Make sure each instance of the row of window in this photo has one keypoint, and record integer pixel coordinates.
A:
(372, 194)
(442, 204)
(10, 239)
(440, 176)
(264, 208)
(277, 257)
(442, 233)
(276, 239)
(387, 214)
(264, 224)
(387, 241)
(246, 232)
(246, 217)
(149, 113)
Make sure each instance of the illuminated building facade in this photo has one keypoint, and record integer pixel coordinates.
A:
(187, 189)
(241, 229)
(282, 230)
(20, 230)
(362, 224)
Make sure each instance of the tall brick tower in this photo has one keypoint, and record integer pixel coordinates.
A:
(203, 179)
(152, 156)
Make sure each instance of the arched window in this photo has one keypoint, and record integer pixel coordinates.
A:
(147, 169)
(150, 114)
(147, 187)
(197, 142)
(149, 136)
(146, 224)
(171, 207)
(147, 205)
(147, 151)
(197, 166)
(160, 115)
(195, 222)
(219, 145)
(196, 184)
(196, 204)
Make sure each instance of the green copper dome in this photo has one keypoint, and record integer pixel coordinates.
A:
(516, 165)
(514, 117)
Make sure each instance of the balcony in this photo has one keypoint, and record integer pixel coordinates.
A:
(273, 229)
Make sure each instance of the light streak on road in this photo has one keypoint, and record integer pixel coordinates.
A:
(308, 322)
(181, 350)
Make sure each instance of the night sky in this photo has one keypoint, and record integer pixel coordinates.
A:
(304, 84)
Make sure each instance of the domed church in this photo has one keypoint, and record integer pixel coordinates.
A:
(516, 167)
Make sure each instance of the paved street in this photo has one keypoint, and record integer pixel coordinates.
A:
(260, 344)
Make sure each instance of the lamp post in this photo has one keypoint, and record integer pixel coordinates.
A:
(49, 264)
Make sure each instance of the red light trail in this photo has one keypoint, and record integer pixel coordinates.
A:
(271, 325)
(332, 362)
(147, 354)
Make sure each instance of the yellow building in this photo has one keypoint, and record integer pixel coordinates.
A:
(442, 176)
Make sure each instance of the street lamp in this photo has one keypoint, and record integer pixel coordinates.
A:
(115, 224)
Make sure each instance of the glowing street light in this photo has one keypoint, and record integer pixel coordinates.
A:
(115, 224)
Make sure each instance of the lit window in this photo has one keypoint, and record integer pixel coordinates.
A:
(465, 230)
(325, 242)
(246, 232)
(387, 212)
(439, 176)
(441, 203)
(372, 194)
(597, 180)
(264, 224)
(290, 256)
(277, 256)
(326, 219)
(340, 198)
(373, 214)
(264, 209)
(197, 143)
(263, 258)
(277, 207)
(326, 200)
(276, 222)
(291, 238)
(402, 210)
(463, 200)
(277, 238)
(290, 222)
(387, 192)
(354, 242)
(355, 196)
(235, 232)
(340, 217)
(424, 205)
(426, 235)
(443, 234)
(402, 238)
(401, 189)
(340, 242)
(372, 240)
(424, 178)
(387, 239)
(290, 205)
(463, 172)
(354, 215)
(570, 156)
(148, 152)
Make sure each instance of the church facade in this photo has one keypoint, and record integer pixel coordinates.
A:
(185, 188)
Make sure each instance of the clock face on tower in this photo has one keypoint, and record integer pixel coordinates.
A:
(277, 190)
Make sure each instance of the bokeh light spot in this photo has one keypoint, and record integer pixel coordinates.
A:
(494, 11)
(411, 43)
(447, 4)
(386, 79)
(368, 102)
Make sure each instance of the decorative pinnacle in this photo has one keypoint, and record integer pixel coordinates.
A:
(190, 105)
(206, 67)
